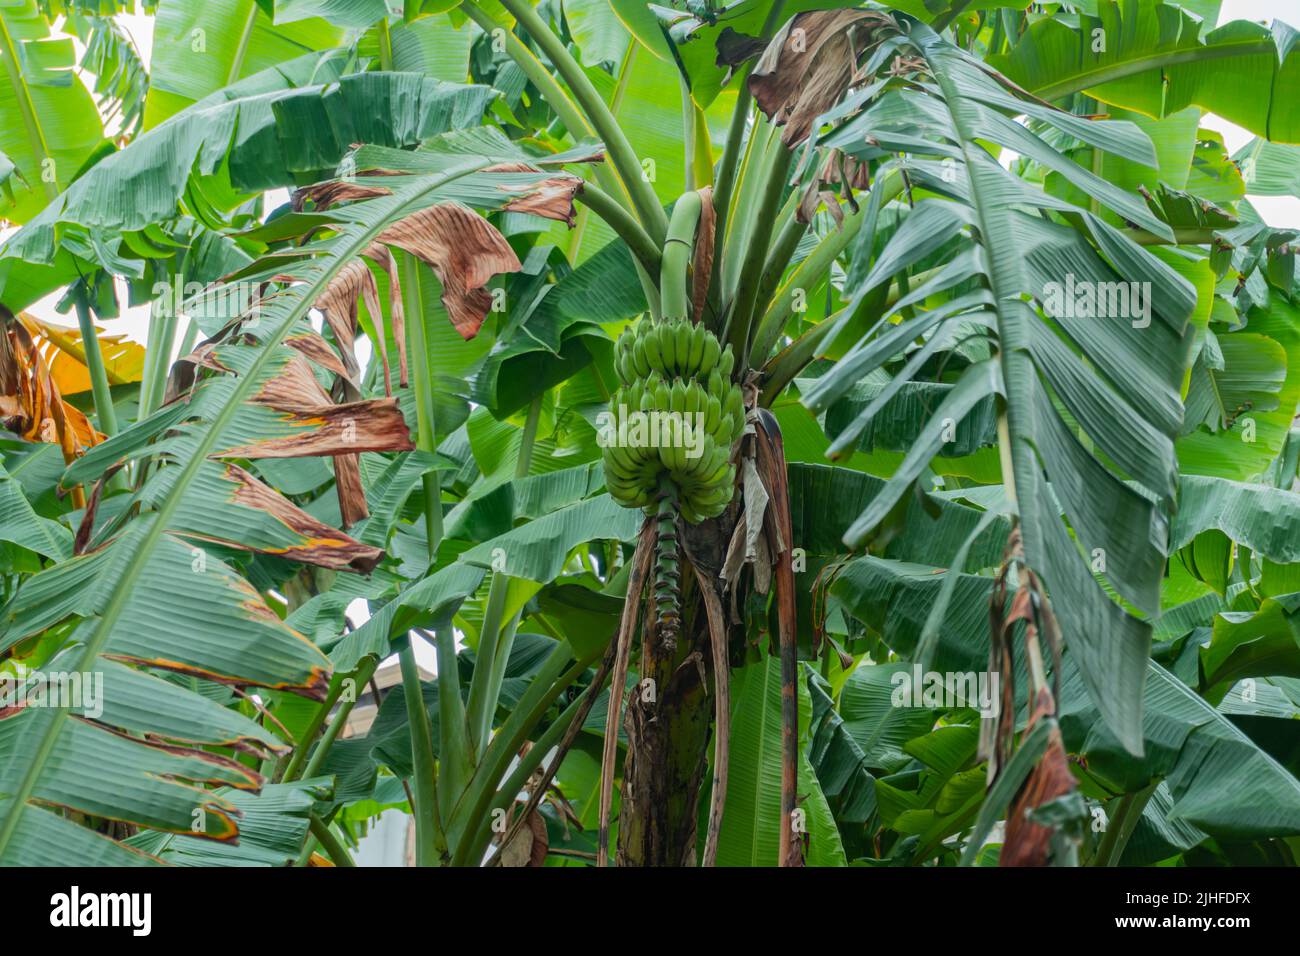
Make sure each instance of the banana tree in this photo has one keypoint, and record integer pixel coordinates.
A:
(989, 269)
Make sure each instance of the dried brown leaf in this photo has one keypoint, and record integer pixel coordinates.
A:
(464, 250)
(30, 402)
(327, 429)
(1028, 842)
(809, 65)
(324, 546)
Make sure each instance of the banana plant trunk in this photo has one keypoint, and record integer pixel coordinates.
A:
(669, 724)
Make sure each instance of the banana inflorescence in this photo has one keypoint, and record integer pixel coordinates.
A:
(677, 416)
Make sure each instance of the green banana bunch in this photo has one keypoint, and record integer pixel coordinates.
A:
(675, 349)
(677, 416)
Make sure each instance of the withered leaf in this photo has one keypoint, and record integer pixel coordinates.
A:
(30, 402)
(1027, 841)
(551, 198)
(324, 546)
(464, 250)
(327, 429)
(809, 65)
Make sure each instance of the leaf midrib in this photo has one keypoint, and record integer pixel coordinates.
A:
(1087, 79)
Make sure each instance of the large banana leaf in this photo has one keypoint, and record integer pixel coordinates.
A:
(1259, 418)
(121, 78)
(1220, 780)
(21, 525)
(1260, 517)
(49, 125)
(1270, 169)
(133, 758)
(1151, 57)
(1124, 397)
(288, 124)
(272, 827)
(220, 630)
(126, 592)
(204, 48)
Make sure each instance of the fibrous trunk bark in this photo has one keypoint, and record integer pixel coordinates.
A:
(669, 724)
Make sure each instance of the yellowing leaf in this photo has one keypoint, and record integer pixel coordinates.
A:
(64, 354)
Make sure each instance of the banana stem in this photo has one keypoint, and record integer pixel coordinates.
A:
(742, 311)
(679, 247)
(688, 130)
(788, 237)
(188, 339)
(814, 270)
(454, 766)
(494, 641)
(1123, 821)
(333, 848)
(471, 811)
(424, 770)
(360, 678)
(554, 94)
(156, 361)
(104, 410)
(597, 113)
(476, 845)
(624, 225)
(728, 167)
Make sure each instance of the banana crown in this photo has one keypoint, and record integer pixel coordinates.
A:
(677, 413)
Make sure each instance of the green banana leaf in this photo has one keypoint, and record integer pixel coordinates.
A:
(751, 818)
(203, 48)
(1152, 58)
(1138, 366)
(49, 125)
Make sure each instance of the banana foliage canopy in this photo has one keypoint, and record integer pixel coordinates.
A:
(323, 322)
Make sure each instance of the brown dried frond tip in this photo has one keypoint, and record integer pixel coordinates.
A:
(810, 64)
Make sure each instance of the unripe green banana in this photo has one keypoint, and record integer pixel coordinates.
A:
(684, 335)
(727, 363)
(680, 368)
(698, 336)
(696, 400)
(736, 410)
(722, 492)
(709, 356)
(666, 457)
(712, 414)
(640, 363)
(653, 356)
(690, 514)
(718, 386)
(667, 346)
